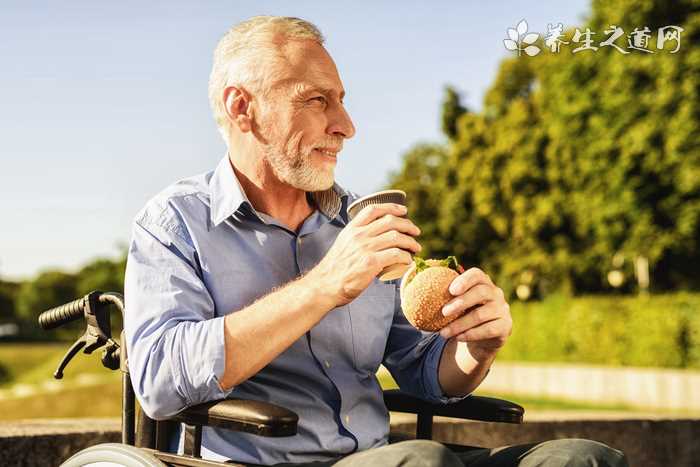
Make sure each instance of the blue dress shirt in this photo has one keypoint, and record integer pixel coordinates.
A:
(200, 251)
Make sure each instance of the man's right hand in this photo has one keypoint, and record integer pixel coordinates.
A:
(375, 239)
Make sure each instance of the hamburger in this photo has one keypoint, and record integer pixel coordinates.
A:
(425, 290)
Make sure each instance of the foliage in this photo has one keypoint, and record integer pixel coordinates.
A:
(101, 274)
(650, 331)
(419, 178)
(23, 302)
(452, 110)
(574, 159)
(4, 374)
(47, 290)
(8, 296)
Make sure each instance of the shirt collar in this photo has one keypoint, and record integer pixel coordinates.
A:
(227, 195)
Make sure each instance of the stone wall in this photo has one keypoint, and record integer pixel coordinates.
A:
(647, 442)
(47, 443)
(657, 388)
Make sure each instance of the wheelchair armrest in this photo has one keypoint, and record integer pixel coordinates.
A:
(250, 416)
(487, 409)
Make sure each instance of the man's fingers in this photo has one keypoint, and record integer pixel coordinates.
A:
(487, 331)
(394, 238)
(375, 211)
(477, 295)
(391, 222)
(393, 256)
(469, 279)
(472, 319)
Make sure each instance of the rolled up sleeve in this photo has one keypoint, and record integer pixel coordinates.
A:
(413, 359)
(175, 341)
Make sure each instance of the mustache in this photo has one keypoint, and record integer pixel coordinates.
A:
(330, 143)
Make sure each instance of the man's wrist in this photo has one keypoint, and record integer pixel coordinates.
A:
(314, 284)
(483, 355)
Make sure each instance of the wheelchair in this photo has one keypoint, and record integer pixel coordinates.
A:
(146, 443)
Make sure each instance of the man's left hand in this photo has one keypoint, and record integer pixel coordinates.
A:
(487, 323)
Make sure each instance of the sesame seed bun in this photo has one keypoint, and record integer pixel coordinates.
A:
(424, 294)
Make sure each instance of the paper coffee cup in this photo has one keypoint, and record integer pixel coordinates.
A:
(387, 196)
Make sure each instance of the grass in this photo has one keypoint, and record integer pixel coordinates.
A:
(90, 390)
(34, 363)
(86, 390)
(105, 401)
(98, 401)
(540, 404)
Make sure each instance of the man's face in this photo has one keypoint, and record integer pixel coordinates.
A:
(303, 121)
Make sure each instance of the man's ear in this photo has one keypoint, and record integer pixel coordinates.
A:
(237, 103)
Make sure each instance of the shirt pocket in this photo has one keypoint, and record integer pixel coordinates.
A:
(371, 315)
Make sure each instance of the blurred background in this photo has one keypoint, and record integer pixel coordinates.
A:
(571, 176)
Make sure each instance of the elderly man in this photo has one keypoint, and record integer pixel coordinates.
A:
(250, 281)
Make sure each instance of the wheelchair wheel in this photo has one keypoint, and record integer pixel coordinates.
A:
(112, 455)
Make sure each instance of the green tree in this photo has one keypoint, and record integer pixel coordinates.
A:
(101, 274)
(8, 297)
(452, 109)
(106, 275)
(419, 178)
(47, 290)
(576, 158)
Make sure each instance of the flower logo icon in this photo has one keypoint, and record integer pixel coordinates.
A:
(519, 39)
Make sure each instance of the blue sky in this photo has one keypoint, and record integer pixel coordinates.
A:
(103, 104)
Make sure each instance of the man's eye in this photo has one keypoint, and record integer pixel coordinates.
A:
(320, 99)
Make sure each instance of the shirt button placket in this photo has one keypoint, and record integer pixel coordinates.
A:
(300, 263)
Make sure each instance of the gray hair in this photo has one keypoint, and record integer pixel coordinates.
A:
(241, 51)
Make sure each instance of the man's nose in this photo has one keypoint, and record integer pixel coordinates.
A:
(340, 123)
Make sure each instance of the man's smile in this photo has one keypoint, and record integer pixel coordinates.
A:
(328, 153)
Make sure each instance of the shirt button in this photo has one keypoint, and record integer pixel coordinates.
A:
(327, 363)
(347, 419)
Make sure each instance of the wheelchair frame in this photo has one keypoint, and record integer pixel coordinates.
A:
(151, 437)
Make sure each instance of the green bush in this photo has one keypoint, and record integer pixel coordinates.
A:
(573, 162)
(4, 374)
(652, 331)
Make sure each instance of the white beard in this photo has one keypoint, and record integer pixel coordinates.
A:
(296, 168)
